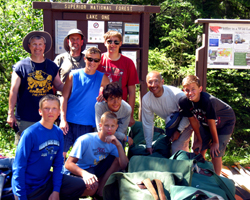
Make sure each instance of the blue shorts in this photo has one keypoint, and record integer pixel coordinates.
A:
(75, 131)
(102, 167)
(223, 139)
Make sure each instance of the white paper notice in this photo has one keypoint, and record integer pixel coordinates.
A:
(131, 33)
(132, 55)
(62, 28)
(229, 46)
(89, 46)
(95, 31)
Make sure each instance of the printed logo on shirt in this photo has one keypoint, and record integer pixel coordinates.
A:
(39, 83)
(100, 151)
(201, 116)
(99, 160)
(47, 149)
(48, 143)
(114, 74)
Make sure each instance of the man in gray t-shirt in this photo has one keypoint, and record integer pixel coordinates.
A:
(112, 94)
(74, 44)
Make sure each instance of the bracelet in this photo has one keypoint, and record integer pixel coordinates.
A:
(127, 139)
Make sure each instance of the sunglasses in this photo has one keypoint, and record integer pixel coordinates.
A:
(116, 42)
(92, 59)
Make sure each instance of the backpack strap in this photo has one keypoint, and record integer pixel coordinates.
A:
(150, 188)
(150, 185)
(160, 189)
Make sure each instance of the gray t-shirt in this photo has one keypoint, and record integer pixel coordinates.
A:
(66, 63)
(123, 116)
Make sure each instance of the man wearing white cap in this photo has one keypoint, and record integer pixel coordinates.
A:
(74, 44)
(32, 78)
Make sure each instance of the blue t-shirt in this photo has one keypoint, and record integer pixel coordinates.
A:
(36, 82)
(38, 150)
(81, 104)
(90, 150)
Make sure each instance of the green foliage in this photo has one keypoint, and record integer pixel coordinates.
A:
(223, 9)
(17, 19)
(178, 31)
(173, 41)
(232, 87)
(223, 82)
(170, 71)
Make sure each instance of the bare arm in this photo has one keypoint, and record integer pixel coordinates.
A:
(147, 123)
(54, 196)
(90, 180)
(123, 160)
(58, 83)
(198, 141)
(131, 102)
(105, 81)
(215, 145)
(65, 97)
(15, 84)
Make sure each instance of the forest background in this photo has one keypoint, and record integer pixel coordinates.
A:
(174, 37)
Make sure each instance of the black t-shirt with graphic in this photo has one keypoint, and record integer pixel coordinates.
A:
(208, 107)
(36, 81)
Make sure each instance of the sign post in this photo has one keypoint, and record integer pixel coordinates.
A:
(94, 20)
(226, 44)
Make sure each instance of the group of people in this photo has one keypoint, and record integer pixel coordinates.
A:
(95, 101)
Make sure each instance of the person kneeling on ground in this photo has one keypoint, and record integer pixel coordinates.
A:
(112, 94)
(95, 156)
(40, 148)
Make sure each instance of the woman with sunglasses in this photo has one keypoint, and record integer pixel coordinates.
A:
(119, 68)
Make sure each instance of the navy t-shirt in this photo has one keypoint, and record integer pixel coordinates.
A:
(208, 107)
(36, 82)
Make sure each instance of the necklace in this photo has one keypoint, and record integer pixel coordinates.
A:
(33, 65)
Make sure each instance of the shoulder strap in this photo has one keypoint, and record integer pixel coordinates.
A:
(160, 189)
(150, 188)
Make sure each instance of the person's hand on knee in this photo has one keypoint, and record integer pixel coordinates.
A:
(91, 181)
(175, 136)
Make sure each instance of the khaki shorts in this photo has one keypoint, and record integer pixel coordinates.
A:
(223, 139)
(22, 125)
(183, 141)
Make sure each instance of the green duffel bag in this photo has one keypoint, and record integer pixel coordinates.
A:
(161, 148)
(125, 186)
(201, 162)
(205, 178)
(191, 193)
(144, 163)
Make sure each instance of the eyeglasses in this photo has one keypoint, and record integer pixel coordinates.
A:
(92, 59)
(116, 42)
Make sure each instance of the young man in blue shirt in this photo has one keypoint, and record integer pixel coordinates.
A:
(95, 156)
(40, 148)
